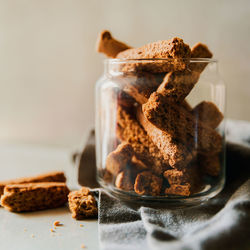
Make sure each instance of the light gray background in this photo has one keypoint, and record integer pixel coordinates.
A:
(48, 65)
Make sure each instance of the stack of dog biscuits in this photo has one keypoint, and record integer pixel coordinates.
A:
(166, 146)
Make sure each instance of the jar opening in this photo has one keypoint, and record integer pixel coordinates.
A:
(157, 60)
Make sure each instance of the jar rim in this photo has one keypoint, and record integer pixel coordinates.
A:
(151, 60)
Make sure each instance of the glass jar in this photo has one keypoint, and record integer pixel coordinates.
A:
(160, 130)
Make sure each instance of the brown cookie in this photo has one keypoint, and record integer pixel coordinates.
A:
(34, 196)
(208, 113)
(146, 183)
(174, 49)
(124, 99)
(177, 85)
(199, 50)
(82, 204)
(129, 130)
(179, 125)
(176, 152)
(55, 176)
(139, 85)
(120, 158)
(125, 180)
(191, 175)
(177, 189)
(108, 45)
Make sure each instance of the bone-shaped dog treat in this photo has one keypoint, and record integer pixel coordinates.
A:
(169, 118)
(129, 130)
(123, 164)
(119, 159)
(108, 45)
(177, 85)
(208, 113)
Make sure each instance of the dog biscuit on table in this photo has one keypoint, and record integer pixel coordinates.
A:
(82, 204)
(55, 176)
(34, 196)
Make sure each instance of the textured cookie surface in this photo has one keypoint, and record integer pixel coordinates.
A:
(55, 176)
(178, 84)
(208, 113)
(120, 158)
(178, 154)
(177, 189)
(125, 180)
(108, 45)
(190, 177)
(129, 130)
(181, 125)
(82, 204)
(34, 196)
(146, 183)
(139, 85)
(175, 50)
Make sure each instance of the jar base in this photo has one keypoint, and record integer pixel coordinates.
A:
(164, 201)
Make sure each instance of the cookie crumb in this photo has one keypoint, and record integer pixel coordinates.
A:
(81, 225)
(32, 236)
(52, 230)
(25, 229)
(83, 246)
(57, 223)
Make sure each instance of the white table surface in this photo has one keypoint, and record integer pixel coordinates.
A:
(32, 230)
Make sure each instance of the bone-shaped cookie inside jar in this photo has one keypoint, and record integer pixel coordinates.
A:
(160, 121)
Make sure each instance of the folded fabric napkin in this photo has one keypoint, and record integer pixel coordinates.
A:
(221, 223)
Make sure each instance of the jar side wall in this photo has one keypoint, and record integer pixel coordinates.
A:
(209, 89)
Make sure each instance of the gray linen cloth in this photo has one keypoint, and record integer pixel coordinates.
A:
(221, 223)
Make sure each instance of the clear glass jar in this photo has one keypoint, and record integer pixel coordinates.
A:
(160, 130)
